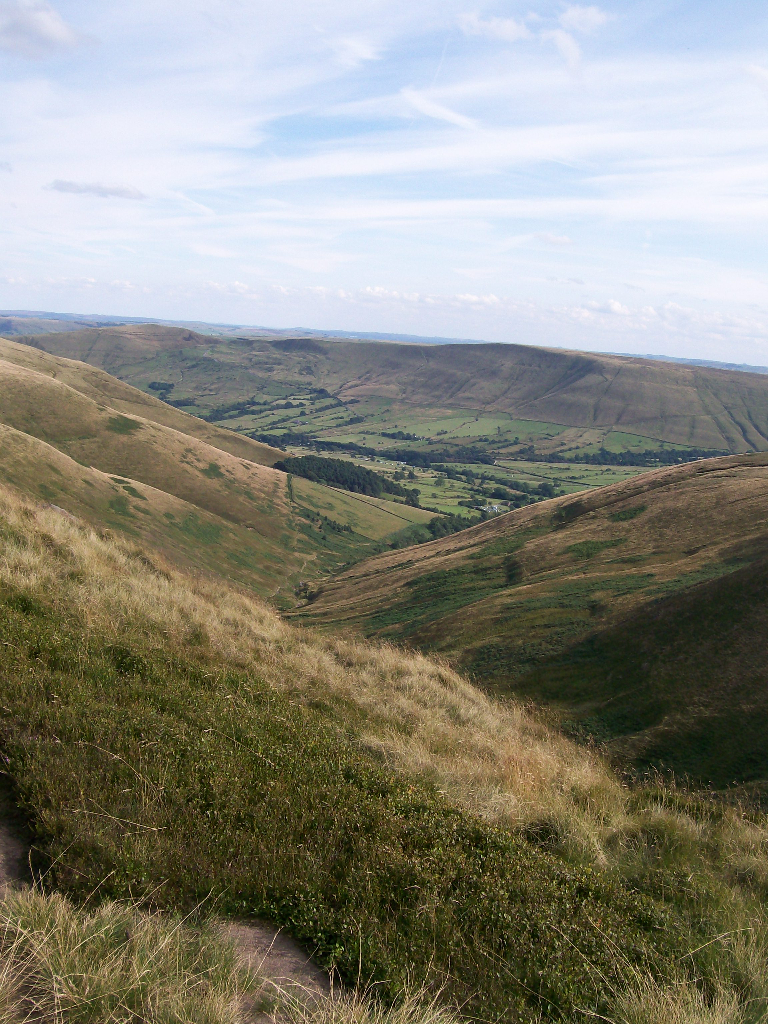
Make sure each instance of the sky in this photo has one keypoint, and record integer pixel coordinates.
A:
(572, 175)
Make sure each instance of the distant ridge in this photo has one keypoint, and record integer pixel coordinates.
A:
(743, 367)
(11, 323)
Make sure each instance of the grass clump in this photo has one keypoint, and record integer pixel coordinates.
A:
(111, 965)
(356, 1007)
(585, 549)
(123, 424)
(626, 514)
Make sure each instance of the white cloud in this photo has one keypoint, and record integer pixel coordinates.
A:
(82, 188)
(506, 30)
(353, 51)
(582, 19)
(550, 239)
(429, 107)
(567, 45)
(759, 74)
(34, 29)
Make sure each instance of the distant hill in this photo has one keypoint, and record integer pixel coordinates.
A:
(638, 610)
(700, 407)
(717, 364)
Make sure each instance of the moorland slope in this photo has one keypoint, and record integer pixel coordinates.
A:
(100, 449)
(172, 740)
(636, 609)
(104, 389)
(697, 406)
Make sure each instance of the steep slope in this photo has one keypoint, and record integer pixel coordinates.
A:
(200, 504)
(186, 533)
(173, 741)
(104, 389)
(682, 682)
(697, 406)
(559, 601)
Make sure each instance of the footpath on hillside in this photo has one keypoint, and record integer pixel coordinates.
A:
(274, 957)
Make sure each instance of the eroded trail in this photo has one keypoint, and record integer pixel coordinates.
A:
(277, 959)
(14, 845)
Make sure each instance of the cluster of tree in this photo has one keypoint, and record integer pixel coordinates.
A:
(504, 489)
(422, 460)
(233, 409)
(400, 435)
(542, 490)
(307, 440)
(346, 475)
(662, 457)
(444, 526)
(324, 523)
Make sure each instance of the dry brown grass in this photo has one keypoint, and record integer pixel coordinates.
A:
(112, 965)
(497, 760)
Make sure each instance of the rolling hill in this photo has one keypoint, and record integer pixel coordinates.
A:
(206, 497)
(637, 610)
(694, 406)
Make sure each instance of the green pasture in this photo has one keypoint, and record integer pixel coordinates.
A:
(620, 441)
(369, 517)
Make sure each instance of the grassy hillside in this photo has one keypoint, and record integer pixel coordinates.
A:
(605, 605)
(106, 390)
(174, 740)
(517, 391)
(121, 466)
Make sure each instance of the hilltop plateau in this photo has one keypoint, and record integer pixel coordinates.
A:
(636, 610)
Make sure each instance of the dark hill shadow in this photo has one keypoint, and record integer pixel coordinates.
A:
(680, 684)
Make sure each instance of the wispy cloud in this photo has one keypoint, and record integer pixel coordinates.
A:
(421, 102)
(81, 188)
(582, 19)
(34, 29)
(353, 51)
(506, 30)
(567, 46)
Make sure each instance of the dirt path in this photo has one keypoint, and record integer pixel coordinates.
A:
(278, 959)
(275, 957)
(14, 844)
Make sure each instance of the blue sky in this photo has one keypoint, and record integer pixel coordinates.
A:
(590, 176)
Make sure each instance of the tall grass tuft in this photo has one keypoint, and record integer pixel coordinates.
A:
(112, 965)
